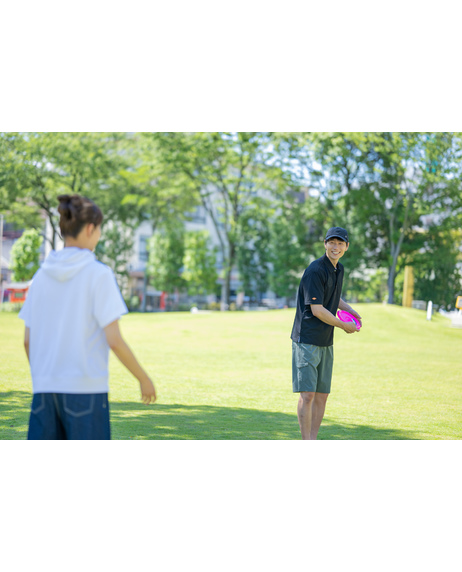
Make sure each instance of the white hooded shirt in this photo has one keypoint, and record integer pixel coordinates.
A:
(72, 298)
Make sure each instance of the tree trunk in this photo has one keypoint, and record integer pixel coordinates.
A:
(145, 289)
(224, 296)
(396, 249)
(391, 283)
(55, 234)
(226, 289)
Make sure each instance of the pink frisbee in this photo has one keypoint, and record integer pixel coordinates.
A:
(347, 317)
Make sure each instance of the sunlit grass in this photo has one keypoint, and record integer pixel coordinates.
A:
(228, 376)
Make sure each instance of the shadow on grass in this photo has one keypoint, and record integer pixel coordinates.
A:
(131, 420)
(136, 421)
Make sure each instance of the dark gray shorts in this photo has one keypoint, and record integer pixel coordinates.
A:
(311, 367)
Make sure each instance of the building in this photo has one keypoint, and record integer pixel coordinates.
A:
(8, 238)
(198, 220)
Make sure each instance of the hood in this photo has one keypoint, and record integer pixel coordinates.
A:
(66, 263)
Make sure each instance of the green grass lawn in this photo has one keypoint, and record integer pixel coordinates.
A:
(228, 376)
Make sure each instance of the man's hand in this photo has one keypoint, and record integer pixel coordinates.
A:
(349, 327)
(148, 391)
(325, 316)
(347, 308)
(356, 315)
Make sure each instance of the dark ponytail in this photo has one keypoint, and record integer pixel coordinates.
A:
(76, 212)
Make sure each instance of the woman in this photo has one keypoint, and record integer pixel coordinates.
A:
(71, 316)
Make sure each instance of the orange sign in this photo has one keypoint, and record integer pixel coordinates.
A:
(459, 302)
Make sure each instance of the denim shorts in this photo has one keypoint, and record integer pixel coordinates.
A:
(79, 416)
(312, 367)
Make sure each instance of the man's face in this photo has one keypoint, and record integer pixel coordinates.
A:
(335, 249)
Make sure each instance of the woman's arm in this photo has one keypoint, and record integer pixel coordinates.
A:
(126, 356)
(27, 342)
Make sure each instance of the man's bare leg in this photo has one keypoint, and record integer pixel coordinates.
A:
(319, 407)
(304, 411)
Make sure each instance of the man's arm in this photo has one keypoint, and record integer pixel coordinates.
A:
(324, 315)
(126, 356)
(27, 341)
(347, 308)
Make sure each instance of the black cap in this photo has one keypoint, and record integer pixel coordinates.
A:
(337, 232)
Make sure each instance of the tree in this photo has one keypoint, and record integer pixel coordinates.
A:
(230, 172)
(437, 275)
(42, 166)
(409, 175)
(327, 166)
(114, 249)
(19, 212)
(199, 264)
(253, 249)
(150, 191)
(25, 255)
(166, 253)
(295, 241)
(119, 171)
(381, 184)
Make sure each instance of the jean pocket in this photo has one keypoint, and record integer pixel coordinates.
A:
(78, 405)
(38, 403)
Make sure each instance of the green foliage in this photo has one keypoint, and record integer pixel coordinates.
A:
(253, 249)
(151, 191)
(295, 241)
(43, 165)
(229, 172)
(114, 249)
(166, 253)
(11, 307)
(25, 255)
(437, 278)
(371, 287)
(199, 263)
(379, 185)
(180, 260)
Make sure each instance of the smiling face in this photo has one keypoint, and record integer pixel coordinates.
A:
(335, 249)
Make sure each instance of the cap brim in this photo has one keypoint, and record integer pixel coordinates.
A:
(336, 236)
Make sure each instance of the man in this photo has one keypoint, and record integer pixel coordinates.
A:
(319, 297)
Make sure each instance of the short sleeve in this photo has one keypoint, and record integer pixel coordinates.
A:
(313, 287)
(108, 302)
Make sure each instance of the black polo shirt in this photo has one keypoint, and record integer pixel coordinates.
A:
(321, 283)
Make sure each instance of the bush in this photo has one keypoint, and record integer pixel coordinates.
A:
(10, 307)
(25, 255)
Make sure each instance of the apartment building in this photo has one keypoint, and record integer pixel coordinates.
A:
(198, 220)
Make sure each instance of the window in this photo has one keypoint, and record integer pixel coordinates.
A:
(144, 248)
